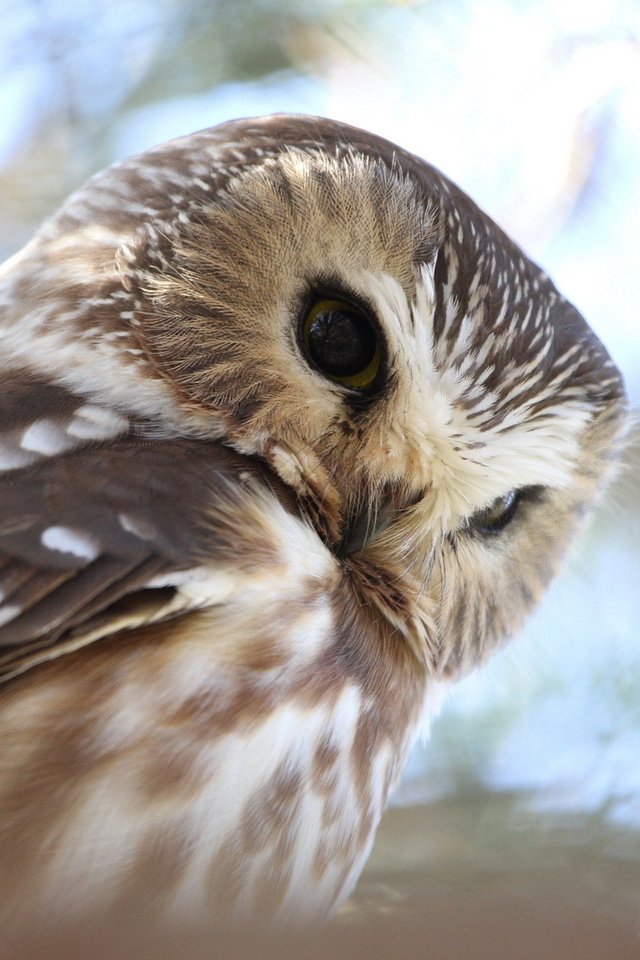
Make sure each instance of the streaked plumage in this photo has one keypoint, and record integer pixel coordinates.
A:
(233, 588)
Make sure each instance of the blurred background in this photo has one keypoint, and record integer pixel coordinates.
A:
(531, 781)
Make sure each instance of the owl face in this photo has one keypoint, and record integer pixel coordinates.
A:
(343, 312)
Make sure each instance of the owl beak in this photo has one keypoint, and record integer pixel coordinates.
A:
(363, 527)
(366, 524)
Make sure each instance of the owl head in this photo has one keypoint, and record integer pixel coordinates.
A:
(322, 301)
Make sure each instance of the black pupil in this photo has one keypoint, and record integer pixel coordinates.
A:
(342, 342)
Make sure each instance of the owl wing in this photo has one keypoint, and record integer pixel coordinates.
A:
(102, 534)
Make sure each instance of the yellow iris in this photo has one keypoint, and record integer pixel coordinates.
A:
(341, 341)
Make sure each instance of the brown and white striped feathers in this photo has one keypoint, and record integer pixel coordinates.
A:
(291, 435)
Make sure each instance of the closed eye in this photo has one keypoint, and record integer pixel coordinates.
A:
(493, 518)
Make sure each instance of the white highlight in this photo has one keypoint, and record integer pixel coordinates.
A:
(66, 540)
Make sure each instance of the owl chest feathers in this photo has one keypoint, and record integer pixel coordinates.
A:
(241, 781)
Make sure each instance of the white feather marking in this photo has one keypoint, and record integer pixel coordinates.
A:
(91, 422)
(47, 437)
(300, 547)
(139, 528)
(8, 613)
(180, 578)
(66, 540)
(13, 458)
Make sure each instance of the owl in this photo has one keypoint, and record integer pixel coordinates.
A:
(291, 437)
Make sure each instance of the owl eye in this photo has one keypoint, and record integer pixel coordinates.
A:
(497, 515)
(341, 342)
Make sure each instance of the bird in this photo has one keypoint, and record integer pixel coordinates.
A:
(292, 436)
